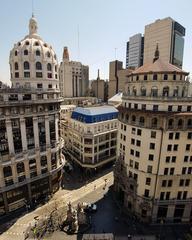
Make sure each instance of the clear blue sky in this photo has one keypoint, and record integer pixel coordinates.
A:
(103, 26)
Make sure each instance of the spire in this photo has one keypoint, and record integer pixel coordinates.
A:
(65, 54)
(156, 56)
(98, 77)
(33, 25)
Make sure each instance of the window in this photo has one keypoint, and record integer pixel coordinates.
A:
(167, 195)
(170, 123)
(27, 74)
(173, 159)
(133, 130)
(132, 141)
(189, 170)
(169, 147)
(149, 169)
(179, 108)
(16, 75)
(166, 171)
(188, 108)
(179, 195)
(143, 106)
(133, 118)
(184, 194)
(155, 107)
(146, 193)
(184, 169)
(188, 147)
(16, 66)
(136, 165)
(153, 134)
(185, 158)
(151, 157)
(187, 182)
(49, 68)
(139, 132)
(172, 171)
(181, 183)
(174, 76)
(167, 159)
(148, 181)
(26, 65)
(136, 106)
(131, 163)
(36, 44)
(49, 75)
(132, 152)
(170, 182)
(25, 52)
(189, 135)
(138, 143)
(39, 74)
(137, 78)
(38, 66)
(137, 154)
(171, 135)
(48, 54)
(177, 135)
(175, 147)
(165, 77)
(162, 194)
(50, 86)
(15, 53)
(145, 77)
(154, 122)
(164, 183)
(38, 53)
(154, 76)
(39, 85)
(170, 108)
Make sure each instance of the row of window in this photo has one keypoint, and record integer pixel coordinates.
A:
(37, 53)
(38, 66)
(155, 77)
(181, 195)
(38, 75)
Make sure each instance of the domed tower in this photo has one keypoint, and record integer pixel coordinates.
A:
(33, 63)
(31, 159)
(154, 174)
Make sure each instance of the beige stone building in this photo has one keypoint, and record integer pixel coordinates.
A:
(92, 136)
(31, 160)
(153, 176)
(73, 77)
(169, 35)
(117, 77)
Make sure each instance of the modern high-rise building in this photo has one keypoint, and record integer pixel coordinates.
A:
(169, 35)
(134, 55)
(153, 176)
(73, 77)
(31, 160)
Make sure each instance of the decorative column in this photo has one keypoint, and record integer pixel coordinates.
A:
(10, 137)
(2, 182)
(47, 131)
(56, 127)
(36, 131)
(27, 171)
(23, 134)
(38, 164)
(14, 173)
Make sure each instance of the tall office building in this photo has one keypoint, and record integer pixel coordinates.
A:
(153, 176)
(135, 47)
(74, 77)
(169, 35)
(31, 160)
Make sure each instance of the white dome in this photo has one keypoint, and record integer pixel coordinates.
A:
(33, 63)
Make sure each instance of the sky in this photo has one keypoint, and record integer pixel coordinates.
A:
(103, 27)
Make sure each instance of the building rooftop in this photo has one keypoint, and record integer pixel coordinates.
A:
(92, 111)
(158, 66)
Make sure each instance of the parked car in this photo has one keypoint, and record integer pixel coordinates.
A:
(91, 207)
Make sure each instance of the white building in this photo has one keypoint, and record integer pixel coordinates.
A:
(92, 136)
(30, 147)
(153, 176)
(74, 77)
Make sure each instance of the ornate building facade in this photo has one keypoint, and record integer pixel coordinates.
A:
(153, 176)
(31, 160)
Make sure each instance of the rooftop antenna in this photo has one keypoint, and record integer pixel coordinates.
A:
(32, 8)
(115, 53)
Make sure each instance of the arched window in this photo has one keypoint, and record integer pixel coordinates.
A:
(154, 122)
(55, 68)
(43, 161)
(165, 77)
(25, 52)
(26, 65)
(142, 121)
(48, 54)
(166, 92)
(133, 118)
(154, 91)
(20, 167)
(7, 171)
(170, 123)
(143, 91)
(180, 123)
(16, 66)
(189, 123)
(154, 76)
(36, 44)
(38, 66)
(16, 53)
(27, 43)
(38, 53)
(127, 117)
(176, 92)
(49, 68)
